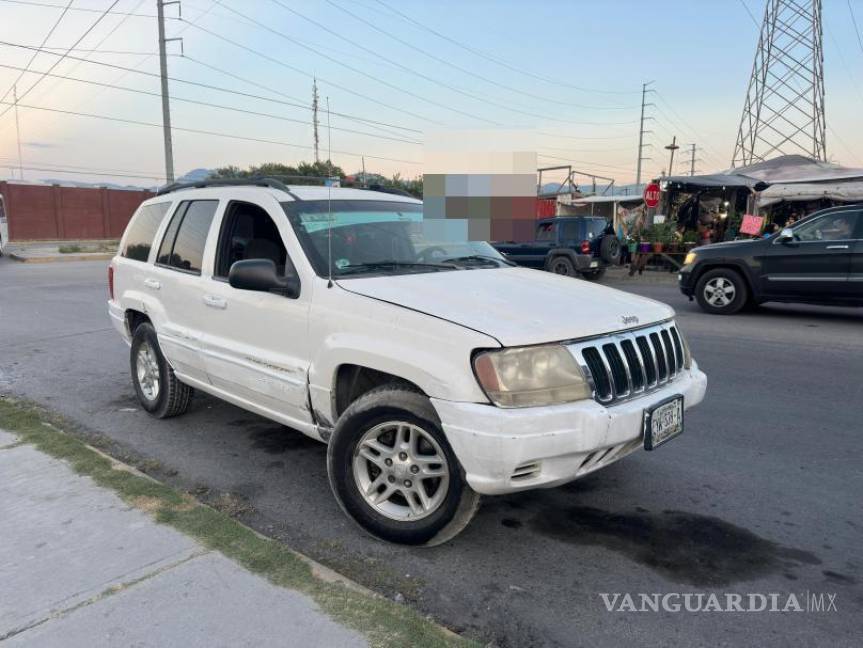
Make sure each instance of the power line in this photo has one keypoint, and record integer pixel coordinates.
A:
(404, 68)
(215, 88)
(35, 54)
(91, 173)
(59, 60)
(556, 82)
(47, 5)
(310, 75)
(466, 71)
(211, 105)
(201, 132)
(353, 69)
(96, 170)
(856, 28)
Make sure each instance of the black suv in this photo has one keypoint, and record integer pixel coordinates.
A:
(567, 245)
(817, 261)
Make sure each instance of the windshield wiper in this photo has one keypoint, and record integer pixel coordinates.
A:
(480, 258)
(391, 265)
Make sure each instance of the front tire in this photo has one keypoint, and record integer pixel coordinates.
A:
(721, 292)
(393, 471)
(158, 390)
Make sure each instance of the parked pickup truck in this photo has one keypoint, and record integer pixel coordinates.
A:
(567, 245)
(435, 371)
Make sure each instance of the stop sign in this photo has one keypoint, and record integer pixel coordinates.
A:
(651, 195)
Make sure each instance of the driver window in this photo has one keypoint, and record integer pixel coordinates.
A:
(248, 232)
(832, 227)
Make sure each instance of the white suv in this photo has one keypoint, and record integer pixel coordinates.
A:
(433, 368)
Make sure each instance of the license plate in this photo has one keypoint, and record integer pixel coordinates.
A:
(663, 422)
(594, 264)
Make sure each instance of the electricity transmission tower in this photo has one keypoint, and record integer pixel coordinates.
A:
(642, 132)
(784, 108)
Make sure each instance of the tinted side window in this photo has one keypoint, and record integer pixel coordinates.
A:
(595, 226)
(546, 232)
(193, 224)
(838, 226)
(570, 231)
(142, 228)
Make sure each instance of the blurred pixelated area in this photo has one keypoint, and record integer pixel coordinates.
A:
(480, 185)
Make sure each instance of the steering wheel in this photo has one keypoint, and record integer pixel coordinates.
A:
(427, 255)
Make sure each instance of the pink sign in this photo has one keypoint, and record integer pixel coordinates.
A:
(751, 224)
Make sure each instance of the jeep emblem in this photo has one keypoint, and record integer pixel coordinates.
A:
(629, 319)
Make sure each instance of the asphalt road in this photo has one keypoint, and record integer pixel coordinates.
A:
(762, 494)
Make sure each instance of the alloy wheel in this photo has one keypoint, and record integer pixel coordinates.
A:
(719, 292)
(147, 370)
(401, 471)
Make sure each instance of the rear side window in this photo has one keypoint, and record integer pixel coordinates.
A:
(142, 229)
(183, 244)
(595, 226)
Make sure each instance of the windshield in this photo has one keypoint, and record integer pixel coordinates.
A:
(362, 237)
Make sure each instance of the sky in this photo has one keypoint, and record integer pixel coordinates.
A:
(396, 74)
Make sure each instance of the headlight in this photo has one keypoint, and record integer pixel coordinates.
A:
(690, 258)
(531, 376)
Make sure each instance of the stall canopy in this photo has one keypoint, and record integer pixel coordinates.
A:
(796, 169)
(788, 177)
(849, 191)
(715, 180)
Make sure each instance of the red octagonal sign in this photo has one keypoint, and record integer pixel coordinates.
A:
(651, 195)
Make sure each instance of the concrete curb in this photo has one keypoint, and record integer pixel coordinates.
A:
(60, 258)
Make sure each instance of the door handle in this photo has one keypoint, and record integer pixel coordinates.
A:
(215, 302)
(837, 247)
(152, 283)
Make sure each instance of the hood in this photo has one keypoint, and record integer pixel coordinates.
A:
(517, 306)
(728, 246)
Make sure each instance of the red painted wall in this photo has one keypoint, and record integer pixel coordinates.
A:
(41, 212)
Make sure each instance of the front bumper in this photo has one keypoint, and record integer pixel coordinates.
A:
(507, 450)
(685, 280)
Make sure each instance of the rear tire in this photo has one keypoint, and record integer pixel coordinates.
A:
(382, 445)
(157, 388)
(609, 249)
(563, 266)
(721, 292)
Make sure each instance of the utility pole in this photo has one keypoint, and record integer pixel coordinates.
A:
(641, 131)
(315, 117)
(672, 147)
(166, 103)
(692, 159)
(18, 130)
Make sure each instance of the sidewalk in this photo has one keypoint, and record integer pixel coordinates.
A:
(620, 274)
(52, 251)
(79, 567)
(93, 553)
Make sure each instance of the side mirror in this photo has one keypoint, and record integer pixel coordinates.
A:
(786, 235)
(260, 275)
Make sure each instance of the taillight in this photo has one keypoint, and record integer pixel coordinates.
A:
(111, 282)
(585, 247)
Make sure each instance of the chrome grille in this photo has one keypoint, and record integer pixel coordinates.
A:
(631, 363)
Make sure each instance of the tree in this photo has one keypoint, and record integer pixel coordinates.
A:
(303, 173)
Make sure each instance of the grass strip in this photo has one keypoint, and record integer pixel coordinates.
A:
(384, 623)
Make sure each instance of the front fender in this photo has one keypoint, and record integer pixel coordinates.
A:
(431, 353)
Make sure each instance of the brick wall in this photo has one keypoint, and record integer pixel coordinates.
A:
(42, 212)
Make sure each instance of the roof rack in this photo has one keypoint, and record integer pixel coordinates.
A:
(225, 182)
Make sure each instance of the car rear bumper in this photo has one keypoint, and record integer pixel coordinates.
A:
(507, 450)
(588, 262)
(118, 320)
